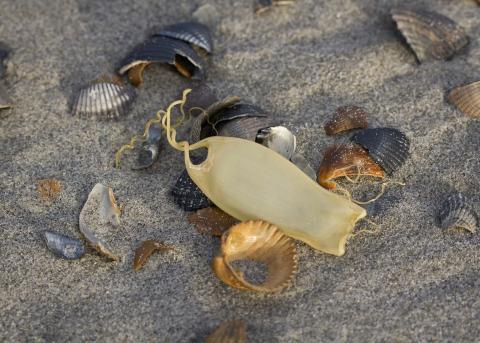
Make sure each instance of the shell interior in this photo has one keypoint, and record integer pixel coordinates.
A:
(457, 212)
(467, 99)
(64, 246)
(190, 32)
(346, 118)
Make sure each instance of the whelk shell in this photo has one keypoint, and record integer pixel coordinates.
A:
(279, 139)
(346, 160)
(429, 34)
(387, 146)
(187, 195)
(467, 99)
(146, 249)
(100, 211)
(261, 242)
(211, 220)
(64, 246)
(233, 331)
(190, 32)
(456, 212)
(346, 118)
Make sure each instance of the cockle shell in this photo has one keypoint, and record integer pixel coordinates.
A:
(346, 118)
(467, 99)
(457, 212)
(147, 248)
(64, 246)
(233, 331)
(190, 32)
(261, 242)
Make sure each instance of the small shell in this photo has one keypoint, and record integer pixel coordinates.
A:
(100, 211)
(346, 118)
(467, 99)
(147, 248)
(211, 220)
(49, 189)
(347, 160)
(160, 49)
(279, 139)
(104, 98)
(261, 242)
(456, 212)
(64, 246)
(262, 6)
(388, 147)
(190, 32)
(150, 148)
(187, 195)
(429, 34)
(301, 162)
(233, 331)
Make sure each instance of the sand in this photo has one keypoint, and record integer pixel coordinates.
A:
(410, 282)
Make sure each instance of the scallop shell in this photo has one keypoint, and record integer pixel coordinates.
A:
(233, 331)
(346, 118)
(211, 220)
(429, 34)
(279, 139)
(150, 149)
(147, 248)
(159, 49)
(456, 212)
(64, 246)
(99, 213)
(467, 98)
(262, 6)
(301, 162)
(347, 160)
(387, 146)
(187, 195)
(104, 98)
(190, 32)
(261, 242)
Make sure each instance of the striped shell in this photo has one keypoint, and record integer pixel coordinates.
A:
(467, 98)
(456, 212)
(64, 246)
(388, 147)
(190, 32)
(431, 36)
(346, 118)
(147, 248)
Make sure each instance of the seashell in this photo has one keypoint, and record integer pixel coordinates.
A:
(202, 97)
(346, 118)
(236, 111)
(301, 162)
(233, 331)
(106, 97)
(388, 147)
(467, 98)
(160, 49)
(190, 32)
(261, 242)
(100, 211)
(187, 195)
(147, 248)
(48, 189)
(347, 160)
(262, 6)
(279, 139)
(64, 246)
(456, 212)
(150, 148)
(243, 127)
(431, 35)
(211, 220)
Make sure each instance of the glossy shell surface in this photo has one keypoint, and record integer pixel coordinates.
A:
(457, 212)
(467, 99)
(64, 246)
(190, 32)
(346, 118)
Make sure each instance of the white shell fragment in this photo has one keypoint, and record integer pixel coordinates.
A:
(64, 246)
(99, 213)
(279, 139)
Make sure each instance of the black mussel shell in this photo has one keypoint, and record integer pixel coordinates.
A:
(190, 32)
(64, 246)
(150, 149)
(429, 34)
(457, 212)
(387, 146)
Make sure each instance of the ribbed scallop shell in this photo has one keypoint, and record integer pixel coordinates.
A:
(429, 34)
(187, 195)
(190, 32)
(64, 246)
(387, 146)
(233, 331)
(467, 98)
(456, 212)
(346, 118)
(256, 241)
(104, 100)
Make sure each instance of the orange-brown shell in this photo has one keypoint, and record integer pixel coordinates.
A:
(233, 331)
(257, 241)
(146, 249)
(346, 118)
(211, 220)
(467, 98)
(48, 189)
(347, 159)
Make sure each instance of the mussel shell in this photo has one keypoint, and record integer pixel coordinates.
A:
(233, 331)
(429, 34)
(279, 139)
(467, 98)
(387, 146)
(242, 127)
(64, 246)
(457, 212)
(150, 149)
(190, 32)
(346, 118)
(187, 195)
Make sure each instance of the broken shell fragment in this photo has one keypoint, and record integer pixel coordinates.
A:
(105, 98)
(99, 212)
(233, 331)
(211, 220)
(159, 49)
(387, 146)
(257, 241)
(457, 212)
(431, 36)
(301, 162)
(190, 32)
(64, 246)
(48, 189)
(187, 195)
(146, 249)
(244, 127)
(346, 160)
(279, 139)
(262, 6)
(467, 99)
(150, 148)
(346, 118)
